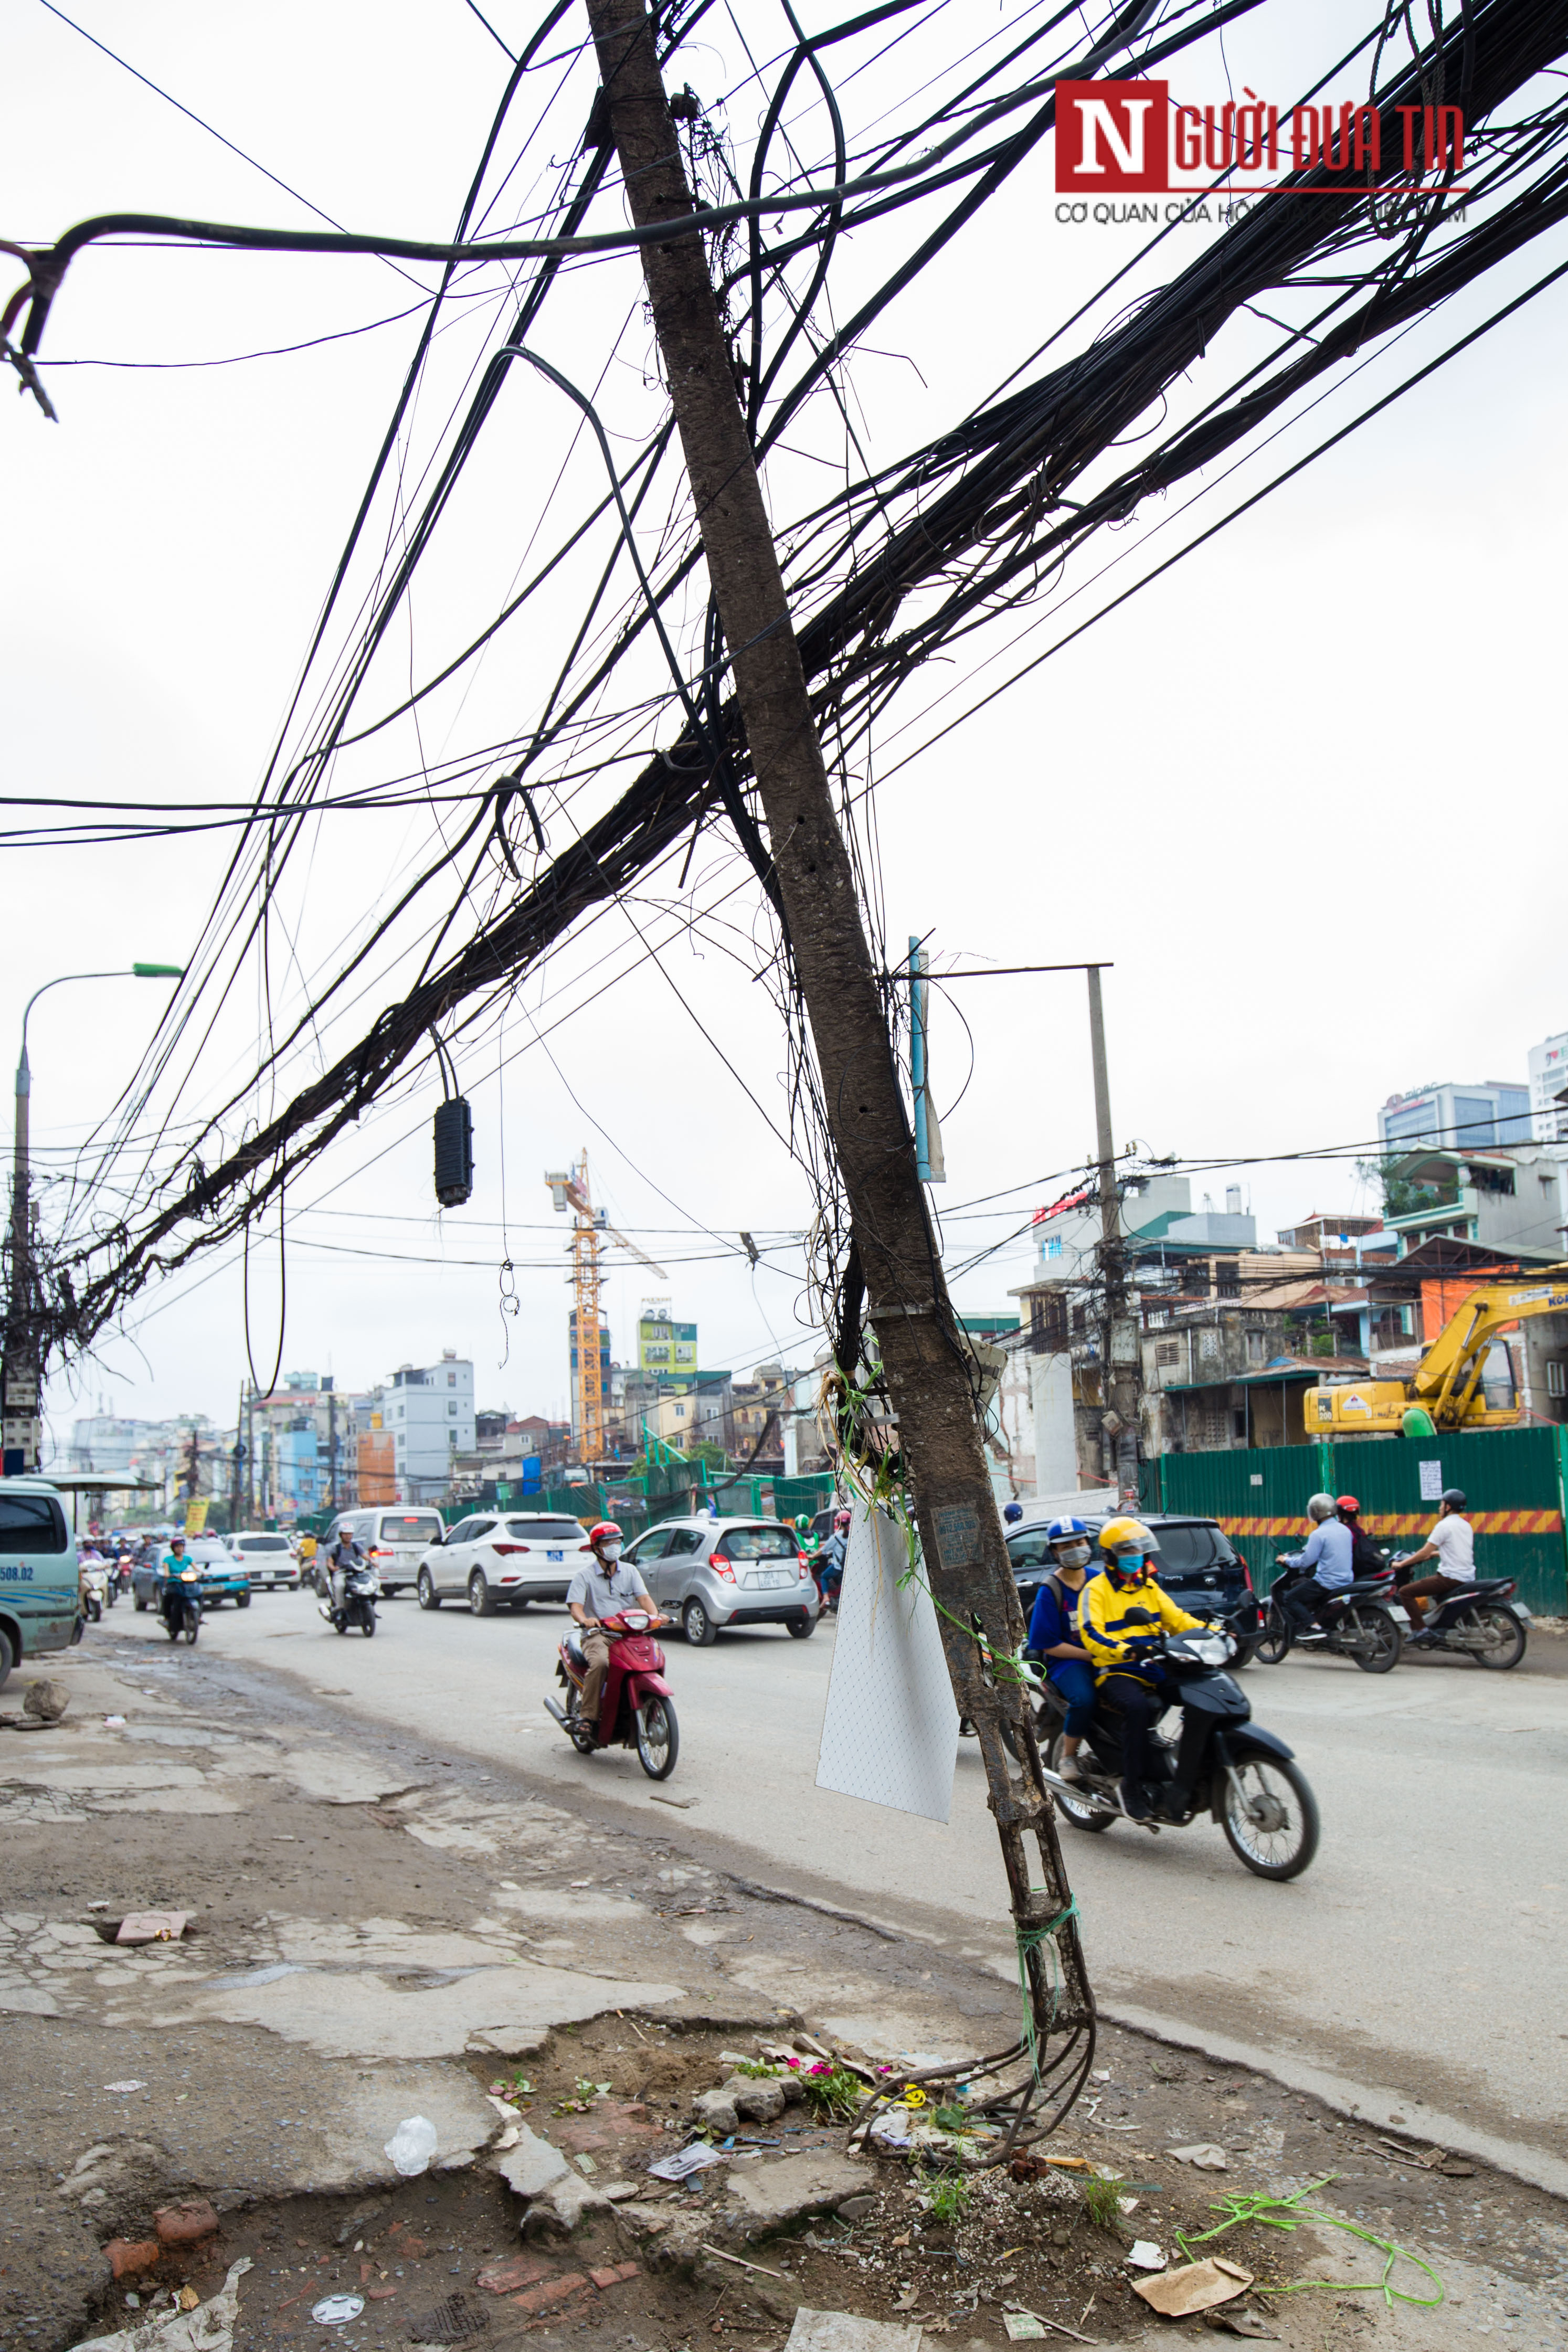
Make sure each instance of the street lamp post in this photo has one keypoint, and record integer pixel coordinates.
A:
(20, 1427)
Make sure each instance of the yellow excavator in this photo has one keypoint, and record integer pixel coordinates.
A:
(1448, 1389)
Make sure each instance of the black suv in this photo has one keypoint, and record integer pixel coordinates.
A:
(1197, 1564)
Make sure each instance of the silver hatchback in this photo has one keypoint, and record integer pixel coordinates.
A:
(711, 1573)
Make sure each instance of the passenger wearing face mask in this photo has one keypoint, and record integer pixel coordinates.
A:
(1053, 1634)
(599, 1589)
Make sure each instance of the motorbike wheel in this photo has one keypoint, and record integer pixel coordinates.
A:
(1273, 1644)
(698, 1626)
(367, 1623)
(1503, 1635)
(172, 1627)
(1244, 1656)
(1373, 1638)
(192, 1627)
(577, 1731)
(429, 1596)
(658, 1738)
(242, 1600)
(140, 1606)
(1280, 1840)
(341, 1622)
(1081, 1816)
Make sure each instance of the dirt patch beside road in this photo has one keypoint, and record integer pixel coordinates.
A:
(442, 1939)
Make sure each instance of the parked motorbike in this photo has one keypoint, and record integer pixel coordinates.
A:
(95, 1593)
(1363, 1622)
(1239, 1775)
(180, 1605)
(362, 1589)
(1484, 1622)
(636, 1710)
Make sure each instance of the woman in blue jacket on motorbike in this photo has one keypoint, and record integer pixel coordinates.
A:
(1053, 1633)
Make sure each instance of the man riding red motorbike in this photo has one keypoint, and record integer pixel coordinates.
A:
(615, 1671)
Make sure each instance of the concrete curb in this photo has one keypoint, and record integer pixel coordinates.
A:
(1367, 2103)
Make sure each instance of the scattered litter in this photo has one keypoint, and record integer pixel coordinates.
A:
(586, 2164)
(207, 2328)
(412, 2145)
(1024, 2327)
(337, 2310)
(1198, 2287)
(685, 2161)
(187, 2298)
(684, 1803)
(1457, 2170)
(1244, 2323)
(131, 2085)
(1144, 2254)
(1204, 2154)
(152, 1927)
(114, 1723)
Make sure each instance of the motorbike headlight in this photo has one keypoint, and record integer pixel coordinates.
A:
(190, 1575)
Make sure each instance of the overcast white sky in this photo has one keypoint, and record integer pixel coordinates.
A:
(1297, 791)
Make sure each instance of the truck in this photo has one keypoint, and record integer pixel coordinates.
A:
(1464, 1380)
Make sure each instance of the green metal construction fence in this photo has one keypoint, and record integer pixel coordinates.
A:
(1513, 1480)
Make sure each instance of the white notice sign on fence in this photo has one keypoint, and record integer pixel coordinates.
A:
(1431, 1481)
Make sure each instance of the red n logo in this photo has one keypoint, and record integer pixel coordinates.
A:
(1112, 137)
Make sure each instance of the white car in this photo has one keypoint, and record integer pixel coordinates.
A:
(268, 1560)
(503, 1559)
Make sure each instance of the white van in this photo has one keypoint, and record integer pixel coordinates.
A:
(40, 1602)
(394, 1541)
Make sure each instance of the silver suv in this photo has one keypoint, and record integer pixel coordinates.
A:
(718, 1572)
(502, 1559)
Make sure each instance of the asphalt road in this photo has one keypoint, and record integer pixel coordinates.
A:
(1423, 1954)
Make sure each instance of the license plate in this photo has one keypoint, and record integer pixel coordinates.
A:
(769, 1577)
(554, 1555)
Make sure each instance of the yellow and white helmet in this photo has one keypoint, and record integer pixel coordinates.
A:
(1126, 1544)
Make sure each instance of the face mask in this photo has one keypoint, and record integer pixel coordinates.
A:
(1072, 1555)
(610, 1554)
(1129, 1564)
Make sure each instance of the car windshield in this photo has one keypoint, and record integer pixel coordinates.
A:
(546, 1531)
(410, 1527)
(760, 1543)
(1195, 1545)
(209, 1551)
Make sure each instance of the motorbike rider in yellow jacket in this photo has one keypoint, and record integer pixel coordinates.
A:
(1122, 1615)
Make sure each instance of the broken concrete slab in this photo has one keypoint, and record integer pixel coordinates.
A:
(771, 2195)
(337, 1776)
(530, 2167)
(558, 2209)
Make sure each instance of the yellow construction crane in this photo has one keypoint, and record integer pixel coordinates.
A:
(569, 1190)
(1446, 1386)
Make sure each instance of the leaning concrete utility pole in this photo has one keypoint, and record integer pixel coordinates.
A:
(930, 1373)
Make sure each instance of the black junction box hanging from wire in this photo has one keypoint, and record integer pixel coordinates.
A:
(454, 1133)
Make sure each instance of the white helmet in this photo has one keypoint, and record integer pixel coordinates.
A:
(1321, 1507)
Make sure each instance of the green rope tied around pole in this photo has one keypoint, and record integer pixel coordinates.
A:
(1030, 1939)
(1286, 2212)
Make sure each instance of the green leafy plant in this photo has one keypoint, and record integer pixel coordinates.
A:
(947, 2199)
(831, 2090)
(758, 2068)
(1103, 2201)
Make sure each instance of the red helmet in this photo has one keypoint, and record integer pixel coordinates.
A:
(1347, 1505)
(841, 1518)
(605, 1532)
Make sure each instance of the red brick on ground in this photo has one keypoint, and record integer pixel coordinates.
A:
(518, 2270)
(182, 2224)
(554, 2291)
(128, 2256)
